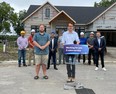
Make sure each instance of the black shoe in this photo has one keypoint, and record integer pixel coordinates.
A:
(47, 68)
(56, 68)
(89, 63)
(19, 66)
(29, 65)
(24, 65)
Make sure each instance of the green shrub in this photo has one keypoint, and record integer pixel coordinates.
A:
(8, 38)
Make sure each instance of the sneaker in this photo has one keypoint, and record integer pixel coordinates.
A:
(96, 68)
(73, 79)
(104, 68)
(69, 80)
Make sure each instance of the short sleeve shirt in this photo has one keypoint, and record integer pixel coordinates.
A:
(30, 39)
(60, 42)
(90, 41)
(41, 40)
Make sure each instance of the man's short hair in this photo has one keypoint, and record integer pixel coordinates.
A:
(98, 32)
(41, 25)
(71, 24)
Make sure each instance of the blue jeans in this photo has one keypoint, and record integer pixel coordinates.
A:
(21, 55)
(70, 67)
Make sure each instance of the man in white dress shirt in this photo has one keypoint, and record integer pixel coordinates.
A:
(68, 38)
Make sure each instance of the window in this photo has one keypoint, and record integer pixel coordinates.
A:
(35, 27)
(47, 12)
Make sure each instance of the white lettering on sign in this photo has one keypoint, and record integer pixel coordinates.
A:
(73, 48)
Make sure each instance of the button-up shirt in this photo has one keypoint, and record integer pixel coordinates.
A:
(70, 37)
(22, 43)
(99, 40)
(52, 43)
(41, 39)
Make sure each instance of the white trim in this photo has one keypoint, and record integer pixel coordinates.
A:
(59, 14)
(80, 24)
(102, 13)
(38, 9)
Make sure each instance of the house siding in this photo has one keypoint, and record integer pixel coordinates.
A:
(39, 18)
(106, 21)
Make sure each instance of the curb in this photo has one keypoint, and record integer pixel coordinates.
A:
(15, 62)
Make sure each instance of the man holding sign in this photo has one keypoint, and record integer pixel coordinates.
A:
(70, 37)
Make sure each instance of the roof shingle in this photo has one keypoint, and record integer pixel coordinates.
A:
(82, 15)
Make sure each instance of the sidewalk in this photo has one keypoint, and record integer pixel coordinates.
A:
(14, 80)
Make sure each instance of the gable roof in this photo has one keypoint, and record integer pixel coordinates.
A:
(82, 15)
(103, 12)
(62, 12)
(31, 10)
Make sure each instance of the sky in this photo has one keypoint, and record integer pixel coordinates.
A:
(24, 4)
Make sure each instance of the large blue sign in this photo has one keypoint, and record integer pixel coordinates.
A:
(76, 49)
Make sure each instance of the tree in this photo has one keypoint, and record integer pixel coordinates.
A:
(104, 3)
(7, 17)
(21, 16)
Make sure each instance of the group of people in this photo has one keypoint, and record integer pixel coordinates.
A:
(43, 48)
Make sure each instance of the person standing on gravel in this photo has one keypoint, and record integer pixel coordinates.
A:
(22, 43)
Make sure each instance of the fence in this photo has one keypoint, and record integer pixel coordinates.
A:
(11, 48)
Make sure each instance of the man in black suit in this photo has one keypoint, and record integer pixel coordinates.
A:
(99, 46)
(52, 50)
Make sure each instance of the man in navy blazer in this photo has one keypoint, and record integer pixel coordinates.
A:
(99, 46)
(52, 50)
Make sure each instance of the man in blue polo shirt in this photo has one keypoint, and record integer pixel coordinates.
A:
(68, 38)
(41, 49)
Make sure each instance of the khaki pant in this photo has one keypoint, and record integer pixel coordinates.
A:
(31, 56)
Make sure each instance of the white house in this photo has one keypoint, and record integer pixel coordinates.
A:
(86, 19)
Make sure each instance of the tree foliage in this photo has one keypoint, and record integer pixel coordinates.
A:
(104, 3)
(21, 16)
(7, 16)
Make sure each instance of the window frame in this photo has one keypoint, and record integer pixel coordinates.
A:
(47, 12)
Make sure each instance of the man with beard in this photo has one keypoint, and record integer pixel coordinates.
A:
(41, 49)
(22, 43)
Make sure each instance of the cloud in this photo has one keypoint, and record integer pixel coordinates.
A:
(24, 4)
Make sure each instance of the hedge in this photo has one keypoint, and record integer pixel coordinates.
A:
(8, 38)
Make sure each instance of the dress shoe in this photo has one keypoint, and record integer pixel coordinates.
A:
(56, 68)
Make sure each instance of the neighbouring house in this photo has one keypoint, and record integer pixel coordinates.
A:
(86, 19)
